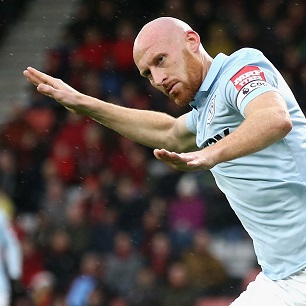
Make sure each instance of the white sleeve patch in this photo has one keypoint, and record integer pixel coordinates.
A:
(248, 88)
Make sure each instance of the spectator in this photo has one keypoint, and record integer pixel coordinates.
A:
(206, 271)
(129, 159)
(178, 291)
(54, 203)
(43, 232)
(176, 8)
(98, 297)
(85, 283)
(151, 224)
(145, 290)
(202, 15)
(92, 155)
(91, 53)
(129, 204)
(76, 28)
(92, 201)
(219, 40)
(42, 288)
(104, 232)
(118, 301)
(62, 159)
(122, 265)
(60, 260)
(105, 18)
(187, 212)
(32, 263)
(8, 172)
(78, 228)
(160, 256)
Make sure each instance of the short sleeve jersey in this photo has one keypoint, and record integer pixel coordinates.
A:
(267, 189)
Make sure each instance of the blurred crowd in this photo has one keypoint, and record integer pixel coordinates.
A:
(10, 11)
(100, 222)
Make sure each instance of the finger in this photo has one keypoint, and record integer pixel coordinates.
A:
(157, 153)
(31, 78)
(169, 157)
(38, 77)
(47, 90)
(163, 154)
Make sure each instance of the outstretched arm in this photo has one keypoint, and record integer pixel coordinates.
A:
(267, 121)
(153, 129)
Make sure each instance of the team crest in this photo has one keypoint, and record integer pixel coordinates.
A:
(211, 110)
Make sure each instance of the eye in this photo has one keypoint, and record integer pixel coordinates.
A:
(147, 74)
(160, 60)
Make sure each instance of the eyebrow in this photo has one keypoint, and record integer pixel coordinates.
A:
(151, 61)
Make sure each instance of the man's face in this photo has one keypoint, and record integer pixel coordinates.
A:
(171, 68)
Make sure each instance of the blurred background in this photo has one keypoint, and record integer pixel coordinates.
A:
(95, 220)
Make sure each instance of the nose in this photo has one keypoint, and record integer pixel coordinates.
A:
(159, 77)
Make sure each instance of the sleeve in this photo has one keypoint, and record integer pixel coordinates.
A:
(248, 79)
(191, 121)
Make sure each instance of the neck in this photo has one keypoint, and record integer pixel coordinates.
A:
(206, 61)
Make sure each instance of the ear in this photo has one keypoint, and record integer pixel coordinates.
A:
(193, 41)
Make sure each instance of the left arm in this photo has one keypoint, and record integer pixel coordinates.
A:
(266, 121)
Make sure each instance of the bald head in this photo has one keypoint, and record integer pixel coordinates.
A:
(165, 28)
(170, 54)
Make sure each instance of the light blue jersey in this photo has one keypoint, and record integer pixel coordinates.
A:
(267, 189)
(11, 257)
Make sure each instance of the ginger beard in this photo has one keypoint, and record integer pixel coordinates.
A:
(190, 86)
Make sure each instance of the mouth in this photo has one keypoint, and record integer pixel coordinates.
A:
(171, 88)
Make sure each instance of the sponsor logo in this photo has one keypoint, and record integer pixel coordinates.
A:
(247, 89)
(246, 75)
(216, 138)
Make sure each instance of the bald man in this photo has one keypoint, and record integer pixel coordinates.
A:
(245, 126)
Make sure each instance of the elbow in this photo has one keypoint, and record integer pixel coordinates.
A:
(278, 127)
(284, 126)
(288, 126)
(179, 145)
(172, 145)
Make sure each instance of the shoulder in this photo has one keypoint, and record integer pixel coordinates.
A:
(247, 73)
(241, 58)
(244, 54)
(245, 63)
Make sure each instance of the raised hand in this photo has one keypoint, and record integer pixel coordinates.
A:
(54, 88)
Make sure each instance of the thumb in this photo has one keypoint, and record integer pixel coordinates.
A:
(156, 153)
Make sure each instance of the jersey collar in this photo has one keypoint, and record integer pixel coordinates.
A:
(209, 79)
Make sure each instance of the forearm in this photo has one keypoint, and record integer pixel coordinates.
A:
(266, 123)
(153, 129)
(261, 130)
(143, 126)
(242, 142)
